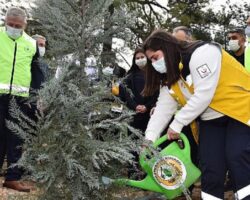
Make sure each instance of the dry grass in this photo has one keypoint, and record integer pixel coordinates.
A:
(128, 193)
(9, 194)
(121, 193)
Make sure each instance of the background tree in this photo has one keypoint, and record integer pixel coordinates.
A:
(80, 27)
(230, 15)
(152, 15)
(205, 22)
(5, 4)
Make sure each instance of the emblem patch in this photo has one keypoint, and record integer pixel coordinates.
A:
(169, 172)
(203, 71)
(27, 49)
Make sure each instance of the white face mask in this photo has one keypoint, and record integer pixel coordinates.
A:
(13, 33)
(160, 65)
(247, 31)
(141, 62)
(41, 51)
(234, 45)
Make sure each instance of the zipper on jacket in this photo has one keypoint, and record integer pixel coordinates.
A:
(13, 68)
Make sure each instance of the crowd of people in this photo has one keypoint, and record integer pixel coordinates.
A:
(212, 87)
(175, 84)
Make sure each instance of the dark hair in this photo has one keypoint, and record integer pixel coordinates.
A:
(134, 66)
(119, 72)
(241, 31)
(172, 50)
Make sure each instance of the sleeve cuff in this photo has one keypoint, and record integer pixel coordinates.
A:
(176, 126)
(151, 136)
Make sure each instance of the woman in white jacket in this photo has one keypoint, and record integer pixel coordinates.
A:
(219, 95)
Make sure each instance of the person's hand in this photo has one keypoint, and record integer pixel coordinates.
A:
(138, 108)
(152, 111)
(141, 109)
(172, 135)
(145, 145)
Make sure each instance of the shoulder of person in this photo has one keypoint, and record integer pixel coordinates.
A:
(206, 51)
(29, 38)
(208, 47)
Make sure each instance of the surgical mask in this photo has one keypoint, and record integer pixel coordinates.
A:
(234, 45)
(160, 65)
(141, 62)
(13, 33)
(41, 51)
(247, 31)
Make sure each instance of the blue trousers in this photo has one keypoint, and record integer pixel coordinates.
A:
(224, 144)
(10, 143)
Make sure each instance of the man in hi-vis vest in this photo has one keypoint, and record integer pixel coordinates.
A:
(19, 72)
(247, 50)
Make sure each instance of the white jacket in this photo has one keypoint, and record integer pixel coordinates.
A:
(205, 65)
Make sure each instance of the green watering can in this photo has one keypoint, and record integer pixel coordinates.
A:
(169, 173)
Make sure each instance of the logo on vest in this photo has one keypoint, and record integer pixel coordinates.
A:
(27, 49)
(169, 172)
(203, 70)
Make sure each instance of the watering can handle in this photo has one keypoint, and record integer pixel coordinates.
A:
(165, 138)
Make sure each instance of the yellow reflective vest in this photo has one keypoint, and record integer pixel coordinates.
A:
(15, 64)
(232, 95)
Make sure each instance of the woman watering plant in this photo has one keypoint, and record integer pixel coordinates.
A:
(219, 95)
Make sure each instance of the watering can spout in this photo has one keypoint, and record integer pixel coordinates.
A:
(147, 184)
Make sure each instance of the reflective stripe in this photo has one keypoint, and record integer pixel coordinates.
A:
(20, 89)
(206, 196)
(15, 88)
(243, 192)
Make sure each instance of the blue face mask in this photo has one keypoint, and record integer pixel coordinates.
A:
(247, 31)
(160, 65)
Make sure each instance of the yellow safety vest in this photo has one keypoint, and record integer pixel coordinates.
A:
(232, 95)
(15, 63)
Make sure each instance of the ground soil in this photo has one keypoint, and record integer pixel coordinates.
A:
(121, 193)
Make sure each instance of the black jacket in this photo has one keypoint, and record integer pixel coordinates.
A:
(131, 92)
(37, 74)
(240, 58)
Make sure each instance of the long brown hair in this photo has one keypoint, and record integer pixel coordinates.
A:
(172, 49)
